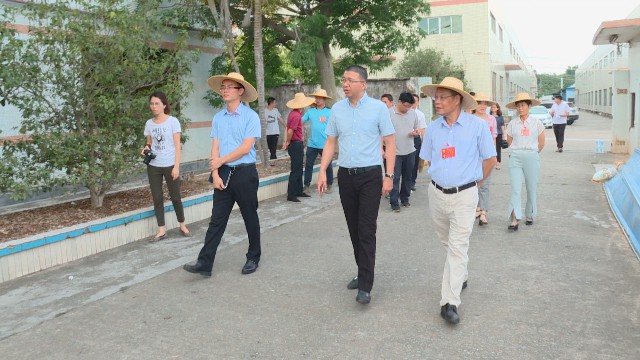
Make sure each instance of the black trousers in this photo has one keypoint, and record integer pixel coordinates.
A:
(242, 189)
(272, 144)
(499, 148)
(360, 198)
(417, 142)
(558, 130)
(296, 154)
(155, 175)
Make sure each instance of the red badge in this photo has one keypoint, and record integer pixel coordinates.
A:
(449, 152)
(323, 119)
(524, 132)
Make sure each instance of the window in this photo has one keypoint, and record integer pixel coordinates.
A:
(610, 96)
(604, 99)
(500, 30)
(606, 61)
(493, 23)
(441, 25)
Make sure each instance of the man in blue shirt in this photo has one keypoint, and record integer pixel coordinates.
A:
(233, 169)
(358, 123)
(318, 116)
(461, 153)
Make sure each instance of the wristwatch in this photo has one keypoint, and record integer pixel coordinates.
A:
(390, 176)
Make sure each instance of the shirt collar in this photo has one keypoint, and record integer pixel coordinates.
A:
(364, 100)
(239, 110)
(463, 119)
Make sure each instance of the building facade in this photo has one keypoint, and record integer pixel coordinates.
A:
(475, 35)
(608, 81)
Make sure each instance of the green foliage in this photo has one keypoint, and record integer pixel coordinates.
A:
(81, 80)
(428, 62)
(549, 84)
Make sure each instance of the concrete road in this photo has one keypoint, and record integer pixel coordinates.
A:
(567, 287)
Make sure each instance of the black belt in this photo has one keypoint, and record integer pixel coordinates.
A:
(453, 190)
(360, 170)
(240, 165)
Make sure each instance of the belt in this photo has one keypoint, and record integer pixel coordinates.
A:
(360, 170)
(240, 165)
(453, 190)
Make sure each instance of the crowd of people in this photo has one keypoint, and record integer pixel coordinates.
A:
(381, 146)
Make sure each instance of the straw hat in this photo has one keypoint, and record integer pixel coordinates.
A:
(452, 84)
(300, 101)
(522, 97)
(321, 93)
(250, 94)
(480, 96)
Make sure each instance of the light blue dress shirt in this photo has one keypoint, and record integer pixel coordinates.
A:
(232, 128)
(319, 120)
(473, 144)
(358, 130)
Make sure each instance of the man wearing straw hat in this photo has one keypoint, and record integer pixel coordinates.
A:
(358, 123)
(318, 116)
(233, 165)
(293, 144)
(460, 150)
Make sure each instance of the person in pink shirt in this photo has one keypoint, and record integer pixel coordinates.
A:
(483, 191)
(294, 146)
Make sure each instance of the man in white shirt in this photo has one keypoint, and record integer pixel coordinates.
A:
(559, 112)
(273, 129)
(422, 119)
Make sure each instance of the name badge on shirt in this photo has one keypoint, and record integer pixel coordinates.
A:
(323, 119)
(524, 132)
(449, 152)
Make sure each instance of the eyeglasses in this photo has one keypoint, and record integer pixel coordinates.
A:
(223, 88)
(350, 81)
(441, 98)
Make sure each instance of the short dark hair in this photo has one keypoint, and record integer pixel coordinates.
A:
(270, 100)
(388, 96)
(528, 102)
(358, 69)
(407, 97)
(558, 97)
(416, 96)
(160, 95)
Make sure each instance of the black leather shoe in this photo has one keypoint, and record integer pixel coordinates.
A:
(464, 285)
(249, 267)
(363, 297)
(529, 221)
(406, 204)
(513, 227)
(353, 284)
(304, 195)
(198, 268)
(293, 199)
(450, 313)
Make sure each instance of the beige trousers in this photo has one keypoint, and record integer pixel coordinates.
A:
(453, 216)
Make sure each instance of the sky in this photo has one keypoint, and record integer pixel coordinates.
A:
(555, 34)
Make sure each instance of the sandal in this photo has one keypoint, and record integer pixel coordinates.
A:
(483, 219)
(186, 234)
(529, 221)
(478, 213)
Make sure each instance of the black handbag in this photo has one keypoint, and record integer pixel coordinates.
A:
(225, 173)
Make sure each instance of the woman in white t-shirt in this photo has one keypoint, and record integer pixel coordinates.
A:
(525, 136)
(163, 140)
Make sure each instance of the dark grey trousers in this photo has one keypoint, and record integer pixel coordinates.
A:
(155, 175)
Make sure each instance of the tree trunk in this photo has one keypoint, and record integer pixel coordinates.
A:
(224, 26)
(97, 196)
(324, 62)
(259, 59)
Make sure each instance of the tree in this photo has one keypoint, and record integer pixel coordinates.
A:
(549, 84)
(428, 62)
(258, 50)
(81, 79)
(365, 33)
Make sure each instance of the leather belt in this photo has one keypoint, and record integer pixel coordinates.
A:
(360, 170)
(454, 190)
(240, 165)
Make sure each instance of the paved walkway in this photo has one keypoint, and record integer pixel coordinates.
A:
(567, 287)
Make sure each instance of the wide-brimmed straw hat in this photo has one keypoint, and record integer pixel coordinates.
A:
(250, 94)
(452, 84)
(299, 101)
(480, 96)
(321, 93)
(522, 97)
